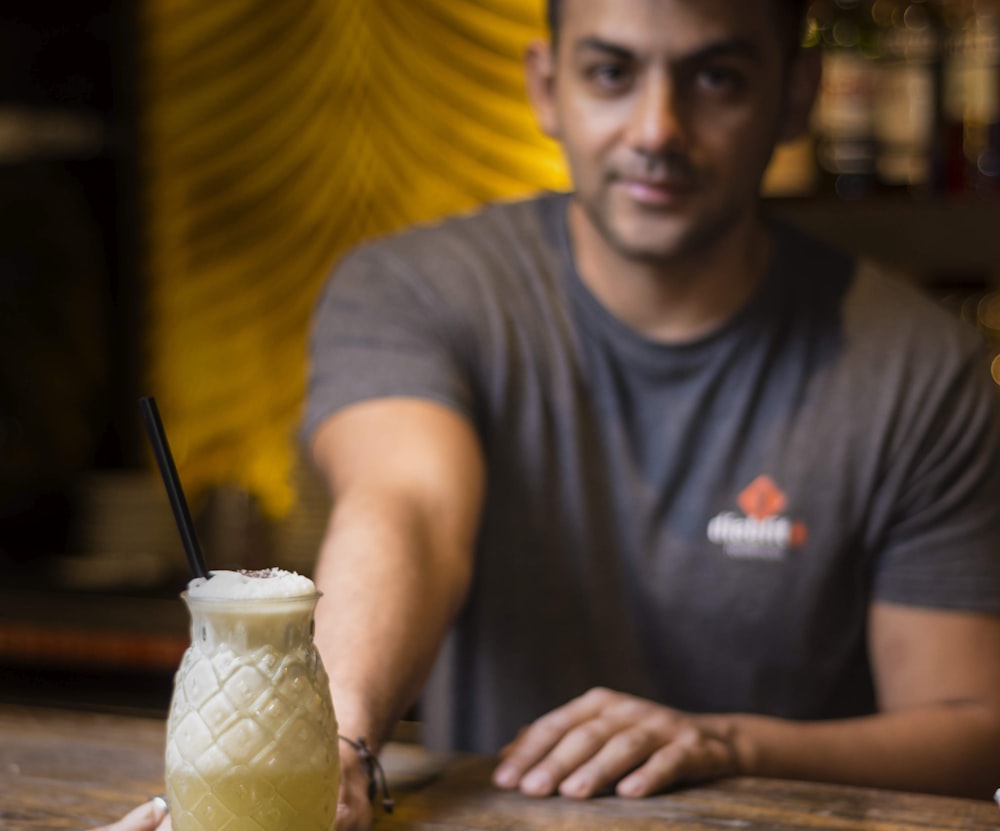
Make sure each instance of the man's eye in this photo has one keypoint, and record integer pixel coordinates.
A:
(720, 78)
(609, 76)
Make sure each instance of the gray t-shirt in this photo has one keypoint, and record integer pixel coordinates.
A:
(702, 524)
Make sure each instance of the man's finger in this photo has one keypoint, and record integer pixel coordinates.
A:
(614, 758)
(689, 758)
(356, 816)
(536, 741)
(540, 739)
(573, 752)
(353, 808)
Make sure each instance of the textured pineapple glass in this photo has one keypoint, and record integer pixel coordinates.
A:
(251, 734)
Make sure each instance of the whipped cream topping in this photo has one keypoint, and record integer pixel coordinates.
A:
(269, 583)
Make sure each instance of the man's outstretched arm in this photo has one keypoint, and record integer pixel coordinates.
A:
(406, 477)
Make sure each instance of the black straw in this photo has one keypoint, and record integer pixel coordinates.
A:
(172, 482)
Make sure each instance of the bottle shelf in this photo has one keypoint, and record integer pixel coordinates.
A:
(939, 240)
(99, 632)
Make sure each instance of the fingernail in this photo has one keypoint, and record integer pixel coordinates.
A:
(538, 782)
(634, 786)
(505, 777)
(575, 786)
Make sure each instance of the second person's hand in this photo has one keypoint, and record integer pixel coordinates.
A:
(150, 816)
(607, 740)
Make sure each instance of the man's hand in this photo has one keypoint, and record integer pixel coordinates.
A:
(354, 812)
(607, 740)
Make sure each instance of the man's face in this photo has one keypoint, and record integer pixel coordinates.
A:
(667, 111)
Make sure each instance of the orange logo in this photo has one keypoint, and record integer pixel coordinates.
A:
(761, 532)
(762, 499)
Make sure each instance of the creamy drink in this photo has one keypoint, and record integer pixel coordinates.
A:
(251, 736)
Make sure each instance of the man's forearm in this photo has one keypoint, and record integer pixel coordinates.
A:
(951, 748)
(390, 592)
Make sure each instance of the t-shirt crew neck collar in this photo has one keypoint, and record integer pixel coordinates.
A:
(597, 318)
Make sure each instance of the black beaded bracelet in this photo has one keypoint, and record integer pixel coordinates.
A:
(375, 771)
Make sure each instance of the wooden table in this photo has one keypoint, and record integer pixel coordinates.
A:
(61, 770)
(75, 770)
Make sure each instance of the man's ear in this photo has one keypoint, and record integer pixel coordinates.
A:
(539, 72)
(801, 90)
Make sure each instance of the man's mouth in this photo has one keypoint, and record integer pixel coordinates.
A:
(657, 192)
(657, 182)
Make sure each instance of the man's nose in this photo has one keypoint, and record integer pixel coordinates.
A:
(658, 122)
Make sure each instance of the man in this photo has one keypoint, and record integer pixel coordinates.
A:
(651, 444)
(639, 440)
(696, 496)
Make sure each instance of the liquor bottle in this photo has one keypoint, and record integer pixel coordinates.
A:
(952, 161)
(909, 95)
(973, 96)
(844, 115)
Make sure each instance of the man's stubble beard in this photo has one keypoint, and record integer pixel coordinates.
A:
(695, 241)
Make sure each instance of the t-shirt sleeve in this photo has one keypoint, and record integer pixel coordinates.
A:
(381, 330)
(942, 545)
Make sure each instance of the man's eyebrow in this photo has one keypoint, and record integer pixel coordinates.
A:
(596, 44)
(731, 47)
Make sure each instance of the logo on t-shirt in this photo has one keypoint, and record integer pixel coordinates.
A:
(760, 532)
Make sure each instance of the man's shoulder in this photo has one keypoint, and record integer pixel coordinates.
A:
(501, 256)
(891, 322)
(877, 302)
(887, 299)
(497, 226)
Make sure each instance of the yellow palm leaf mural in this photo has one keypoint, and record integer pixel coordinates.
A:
(276, 135)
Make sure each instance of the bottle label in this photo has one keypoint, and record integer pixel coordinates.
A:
(905, 111)
(980, 64)
(912, 44)
(845, 103)
(954, 79)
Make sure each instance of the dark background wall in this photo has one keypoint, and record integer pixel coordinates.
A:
(68, 262)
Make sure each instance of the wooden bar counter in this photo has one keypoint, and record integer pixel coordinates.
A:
(63, 770)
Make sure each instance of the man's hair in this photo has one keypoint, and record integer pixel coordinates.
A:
(795, 11)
